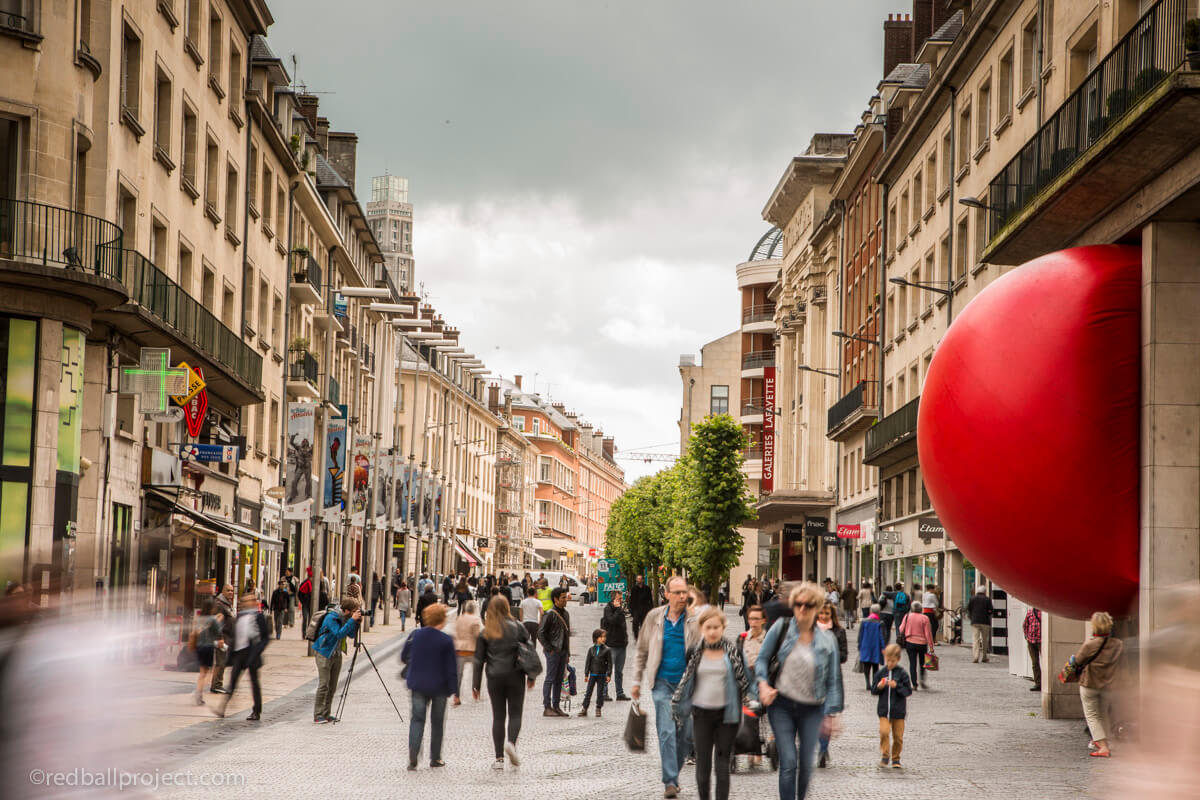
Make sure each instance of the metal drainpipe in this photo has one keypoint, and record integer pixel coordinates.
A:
(1039, 56)
(881, 260)
(950, 205)
(424, 468)
(837, 452)
(442, 466)
(410, 490)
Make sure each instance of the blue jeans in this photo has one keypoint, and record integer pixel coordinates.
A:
(674, 738)
(556, 663)
(797, 727)
(421, 703)
(618, 659)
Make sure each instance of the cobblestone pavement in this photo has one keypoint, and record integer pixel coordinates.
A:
(976, 733)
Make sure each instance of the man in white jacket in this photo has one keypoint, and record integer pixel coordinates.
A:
(667, 634)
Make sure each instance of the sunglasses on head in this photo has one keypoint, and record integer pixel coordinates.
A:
(803, 604)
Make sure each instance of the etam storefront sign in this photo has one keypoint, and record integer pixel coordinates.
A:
(767, 484)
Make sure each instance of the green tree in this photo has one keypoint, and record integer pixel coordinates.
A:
(642, 525)
(714, 500)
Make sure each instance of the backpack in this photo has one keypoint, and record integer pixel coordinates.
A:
(901, 602)
(314, 625)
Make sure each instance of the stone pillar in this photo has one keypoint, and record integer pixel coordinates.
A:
(1170, 430)
(1061, 638)
(94, 540)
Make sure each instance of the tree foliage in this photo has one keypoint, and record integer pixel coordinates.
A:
(686, 517)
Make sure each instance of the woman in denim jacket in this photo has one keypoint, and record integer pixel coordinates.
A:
(713, 688)
(798, 680)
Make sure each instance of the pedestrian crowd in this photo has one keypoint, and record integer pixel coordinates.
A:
(778, 683)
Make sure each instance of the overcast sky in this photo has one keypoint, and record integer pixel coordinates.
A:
(586, 175)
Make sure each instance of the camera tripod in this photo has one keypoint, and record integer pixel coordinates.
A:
(359, 645)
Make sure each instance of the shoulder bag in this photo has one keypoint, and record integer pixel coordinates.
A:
(1072, 673)
(527, 658)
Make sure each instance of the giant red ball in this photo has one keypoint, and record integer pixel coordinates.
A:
(1028, 430)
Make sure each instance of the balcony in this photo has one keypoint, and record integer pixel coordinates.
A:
(753, 453)
(333, 392)
(35, 233)
(326, 319)
(19, 26)
(758, 319)
(170, 317)
(305, 288)
(893, 438)
(752, 411)
(755, 360)
(856, 411)
(1131, 120)
(302, 374)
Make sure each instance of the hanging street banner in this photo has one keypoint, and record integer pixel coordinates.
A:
(362, 480)
(335, 470)
(437, 510)
(400, 486)
(384, 489)
(217, 453)
(767, 484)
(301, 429)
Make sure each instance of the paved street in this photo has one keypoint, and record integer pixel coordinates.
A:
(975, 733)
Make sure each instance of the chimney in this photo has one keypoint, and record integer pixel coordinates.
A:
(895, 118)
(941, 14)
(494, 397)
(922, 27)
(609, 448)
(508, 406)
(343, 149)
(517, 380)
(307, 106)
(897, 42)
(323, 135)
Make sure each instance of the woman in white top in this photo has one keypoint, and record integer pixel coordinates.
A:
(467, 626)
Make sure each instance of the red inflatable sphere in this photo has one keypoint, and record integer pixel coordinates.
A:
(1028, 430)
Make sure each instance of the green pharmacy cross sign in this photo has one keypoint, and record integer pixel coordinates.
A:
(154, 380)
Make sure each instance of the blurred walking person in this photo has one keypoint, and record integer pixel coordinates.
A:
(827, 620)
(403, 603)
(497, 651)
(467, 626)
(205, 638)
(429, 654)
(279, 607)
(250, 638)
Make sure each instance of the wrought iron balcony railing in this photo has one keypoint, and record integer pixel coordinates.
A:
(758, 358)
(307, 270)
(333, 394)
(897, 428)
(861, 396)
(1143, 59)
(44, 234)
(150, 288)
(760, 313)
(302, 366)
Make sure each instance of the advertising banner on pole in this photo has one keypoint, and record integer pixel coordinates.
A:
(335, 470)
(611, 580)
(437, 509)
(301, 427)
(403, 475)
(767, 484)
(383, 490)
(362, 480)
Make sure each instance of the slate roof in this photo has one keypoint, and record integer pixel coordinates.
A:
(950, 29)
(327, 176)
(900, 73)
(260, 50)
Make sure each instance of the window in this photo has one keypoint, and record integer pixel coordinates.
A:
(208, 289)
(1048, 32)
(85, 25)
(158, 243)
(231, 196)
(119, 555)
(162, 117)
(891, 228)
(131, 74)
(185, 269)
(519, 423)
(917, 193)
(258, 427)
(943, 271)
(1083, 57)
(928, 277)
(214, 51)
(903, 218)
(227, 307)
(268, 189)
(235, 81)
(273, 441)
(964, 134)
(930, 178)
(536, 426)
(187, 154)
(191, 31)
(280, 207)
(252, 180)
(544, 466)
(980, 234)
(718, 402)
(947, 159)
(212, 187)
(127, 215)
(983, 114)
(277, 324)
(1004, 92)
(891, 314)
(962, 250)
(1029, 43)
(915, 296)
(264, 306)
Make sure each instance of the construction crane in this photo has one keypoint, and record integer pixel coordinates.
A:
(648, 457)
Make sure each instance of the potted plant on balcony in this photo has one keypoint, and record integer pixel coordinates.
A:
(299, 344)
(1191, 43)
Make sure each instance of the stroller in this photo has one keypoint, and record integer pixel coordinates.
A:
(754, 737)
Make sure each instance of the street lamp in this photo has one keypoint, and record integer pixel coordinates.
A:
(844, 335)
(806, 368)
(412, 323)
(392, 308)
(365, 291)
(926, 287)
(973, 202)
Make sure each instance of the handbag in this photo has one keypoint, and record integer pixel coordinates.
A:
(527, 660)
(635, 729)
(858, 667)
(901, 639)
(1071, 673)
(747, 741)
(931, 662)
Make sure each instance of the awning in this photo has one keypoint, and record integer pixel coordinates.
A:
(466, 552)
(227, 534)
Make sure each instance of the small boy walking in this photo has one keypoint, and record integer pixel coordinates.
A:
(893, 687)
(598, 668)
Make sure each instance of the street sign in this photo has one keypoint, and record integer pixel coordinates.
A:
(195, 409)
(208, 452)
(195, 384)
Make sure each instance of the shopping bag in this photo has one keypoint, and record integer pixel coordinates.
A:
(931, 662)
(635, 729)
(747, 741)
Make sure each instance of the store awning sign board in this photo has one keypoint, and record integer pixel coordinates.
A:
(212, 453)
(154, 380)
(930, 528)
(195, 384)
(849, 531)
